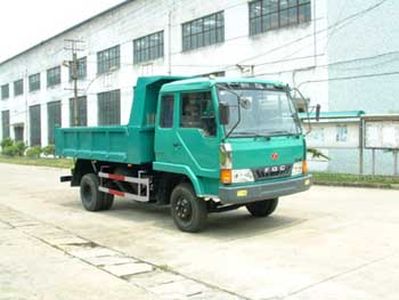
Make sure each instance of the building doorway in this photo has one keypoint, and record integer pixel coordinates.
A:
(19, 132)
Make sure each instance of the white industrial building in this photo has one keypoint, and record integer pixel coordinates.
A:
(301, 42)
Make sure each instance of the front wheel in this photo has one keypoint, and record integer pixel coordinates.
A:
(188, 212)
(262, 208)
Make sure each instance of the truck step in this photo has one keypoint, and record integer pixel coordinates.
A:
(143, 191)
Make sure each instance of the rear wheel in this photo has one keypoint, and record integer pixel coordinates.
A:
(262, 208)
(108, 201)
(92, 199)
(189, 212)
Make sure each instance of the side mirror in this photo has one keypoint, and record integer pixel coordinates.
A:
(318, 108)
(224, 113)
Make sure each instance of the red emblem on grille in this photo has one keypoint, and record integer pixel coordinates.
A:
(275, 156)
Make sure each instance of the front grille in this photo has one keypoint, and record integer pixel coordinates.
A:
(272, 172)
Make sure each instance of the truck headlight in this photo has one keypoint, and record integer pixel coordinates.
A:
(243, 175)
(299, 168)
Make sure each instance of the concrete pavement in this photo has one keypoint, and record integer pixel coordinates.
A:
(328, 243)
(31, 269)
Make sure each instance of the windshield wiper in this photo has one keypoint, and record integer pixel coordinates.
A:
(247, 133)
(280, 132)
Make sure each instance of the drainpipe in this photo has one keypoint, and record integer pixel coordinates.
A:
(26, 128)
(314, 34)
(170, 37)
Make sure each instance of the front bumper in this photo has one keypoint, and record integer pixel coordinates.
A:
(264, 191)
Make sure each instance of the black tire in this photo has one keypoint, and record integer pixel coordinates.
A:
(262, 208)
(92, 199)
(188, 212)
(108, 201)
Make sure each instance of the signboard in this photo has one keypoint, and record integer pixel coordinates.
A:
(343, 135)
(381, 134)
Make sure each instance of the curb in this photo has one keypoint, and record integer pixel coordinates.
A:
(359, 185)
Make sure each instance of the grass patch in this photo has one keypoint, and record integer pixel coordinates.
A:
(324, 178)
(44, 162)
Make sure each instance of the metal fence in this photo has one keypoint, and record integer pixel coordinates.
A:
(354, 142)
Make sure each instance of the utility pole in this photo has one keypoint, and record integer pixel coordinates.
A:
(73, 67)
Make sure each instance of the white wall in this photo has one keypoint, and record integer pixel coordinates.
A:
(275, 55)
(363, 48)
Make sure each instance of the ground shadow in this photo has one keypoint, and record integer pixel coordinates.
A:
(225, 226)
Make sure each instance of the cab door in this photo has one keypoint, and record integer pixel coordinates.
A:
(187, 138)
(196, 141)
(165, 135)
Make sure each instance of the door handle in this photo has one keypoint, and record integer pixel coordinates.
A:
(176, 145)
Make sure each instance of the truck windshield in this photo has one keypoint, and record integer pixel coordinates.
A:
(258, 111)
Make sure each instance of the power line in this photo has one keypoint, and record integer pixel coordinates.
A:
(360, 13)
(336, 63)
(350, 77)
(310, 81)
(334, 30)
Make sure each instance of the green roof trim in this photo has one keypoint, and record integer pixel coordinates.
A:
(207, 82)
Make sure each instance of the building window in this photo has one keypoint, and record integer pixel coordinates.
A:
(109, 108)
(5, 122)
(18, 87)
(108, 60)
(5, 91)
(82, 69)
(197, 112)
(34, 82)
(82, 111)
(203, 31)
(53, 119)
(53, 76)
(265, 15)
(19, 132)
(35, 125)
(167, 109)
(148, 48)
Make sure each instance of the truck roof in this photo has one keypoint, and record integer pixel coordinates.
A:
(207, 82)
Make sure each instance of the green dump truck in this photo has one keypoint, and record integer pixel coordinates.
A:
(200, 145)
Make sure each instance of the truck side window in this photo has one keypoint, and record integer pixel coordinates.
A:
(197, 111)
(167, 103)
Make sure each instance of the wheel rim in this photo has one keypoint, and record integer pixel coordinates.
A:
(87, 193)
(183, 209)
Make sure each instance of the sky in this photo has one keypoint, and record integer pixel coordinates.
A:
(24, 23)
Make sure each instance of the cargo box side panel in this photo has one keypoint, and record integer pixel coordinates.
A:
(96, 143)
(115, 144)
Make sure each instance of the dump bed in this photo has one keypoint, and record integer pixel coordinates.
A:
(111, 143)
(132, 143)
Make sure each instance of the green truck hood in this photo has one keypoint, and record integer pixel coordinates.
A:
(258, 152)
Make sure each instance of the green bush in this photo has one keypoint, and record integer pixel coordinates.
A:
(20, 148)
(7, 142)
(34, 152)
(49, 150)
(10, 150)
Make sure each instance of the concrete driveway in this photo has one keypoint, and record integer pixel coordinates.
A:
(328, 243)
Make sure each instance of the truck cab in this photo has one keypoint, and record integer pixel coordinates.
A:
(238, 141)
